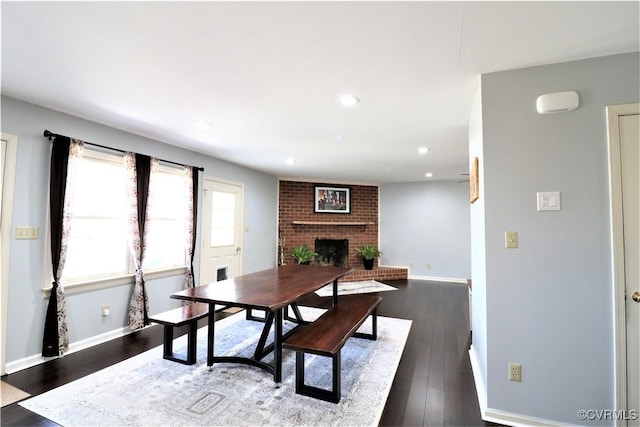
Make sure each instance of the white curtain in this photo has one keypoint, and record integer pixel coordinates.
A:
(139, 182)
(190, 232)
(63, 167)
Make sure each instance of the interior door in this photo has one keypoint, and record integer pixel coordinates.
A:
(222, 214)
(624, 153)
(630, 159)
(8, 155)
(3, 321)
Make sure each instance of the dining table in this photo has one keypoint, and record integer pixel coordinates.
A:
(272, 291)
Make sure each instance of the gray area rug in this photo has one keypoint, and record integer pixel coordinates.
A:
(348, 288)
(147, 390)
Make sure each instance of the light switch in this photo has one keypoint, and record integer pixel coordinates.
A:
(548, 200)
(27, 232)
(510, 239)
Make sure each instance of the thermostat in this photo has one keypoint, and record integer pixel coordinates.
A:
(548, 201)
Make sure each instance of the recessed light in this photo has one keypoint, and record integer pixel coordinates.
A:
(423, 150)
(428, 174)
(291, 161)
(349, 100)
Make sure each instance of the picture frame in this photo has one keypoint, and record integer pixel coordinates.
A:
(474, 187)
(332, 199)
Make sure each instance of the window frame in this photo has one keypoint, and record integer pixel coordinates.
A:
(176, 170)
(95, 283)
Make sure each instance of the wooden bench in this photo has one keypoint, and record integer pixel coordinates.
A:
(185, 315)
(327, 335)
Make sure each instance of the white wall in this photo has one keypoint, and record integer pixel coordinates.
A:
(27, 305)
(478, 351)
(426, 223)
(549, 302)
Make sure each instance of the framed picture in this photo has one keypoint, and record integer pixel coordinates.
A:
(332, 200)
(474, 189)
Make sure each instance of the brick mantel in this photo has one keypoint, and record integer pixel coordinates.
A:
(332, 223)
(298, 224)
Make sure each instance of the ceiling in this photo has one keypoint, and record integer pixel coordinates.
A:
(256, 83)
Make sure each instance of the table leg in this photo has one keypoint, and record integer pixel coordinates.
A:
(211, 333)
(277, 347)
(335, 292)
(296, 312)
(260, 348)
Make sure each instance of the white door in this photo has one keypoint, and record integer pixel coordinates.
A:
(8, 155)
(624, 128)
(221, 255)
(3, 321)
(630, 156)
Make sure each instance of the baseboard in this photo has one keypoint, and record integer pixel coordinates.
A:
(479, 381)
(511, 419)
(30, 361)
(24, 363)
(496, 415)
(439, 279)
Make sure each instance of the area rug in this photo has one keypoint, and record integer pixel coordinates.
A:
(147, 390)
(10, 394)
(347, 288)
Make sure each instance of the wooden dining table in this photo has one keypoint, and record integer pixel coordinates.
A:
(272, 291)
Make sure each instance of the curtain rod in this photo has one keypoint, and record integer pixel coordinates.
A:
(48, 134)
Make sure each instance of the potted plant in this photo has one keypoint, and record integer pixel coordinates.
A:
(302, 254)
(369, 253)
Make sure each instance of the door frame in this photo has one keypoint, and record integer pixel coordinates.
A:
(241, 225)
(8, 185)
(614, 112)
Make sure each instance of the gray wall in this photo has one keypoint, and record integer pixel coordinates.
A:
(426, 223)
(548, 304)
(27, 306)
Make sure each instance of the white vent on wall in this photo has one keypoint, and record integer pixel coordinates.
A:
(558, 102)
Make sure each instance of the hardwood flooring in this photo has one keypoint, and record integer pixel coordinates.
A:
(433, 385)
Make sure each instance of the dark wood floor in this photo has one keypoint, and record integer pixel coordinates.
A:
(433, 386)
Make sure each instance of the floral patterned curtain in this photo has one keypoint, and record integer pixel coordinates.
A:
(139, 168)
(65, 154)
(191, 174)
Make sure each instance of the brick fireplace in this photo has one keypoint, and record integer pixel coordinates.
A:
(298, 224)
(332, 251)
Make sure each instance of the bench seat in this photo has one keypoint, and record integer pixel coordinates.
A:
(185, 315)
(327, 335)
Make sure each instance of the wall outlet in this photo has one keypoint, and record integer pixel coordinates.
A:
(428, 265)
(515, 372)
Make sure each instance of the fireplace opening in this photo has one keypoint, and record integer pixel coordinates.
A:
(333, 252)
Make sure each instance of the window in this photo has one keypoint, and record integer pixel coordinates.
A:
(223, 208)
(166, 220)
(98, 243)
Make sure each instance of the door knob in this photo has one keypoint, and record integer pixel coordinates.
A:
(635, 296)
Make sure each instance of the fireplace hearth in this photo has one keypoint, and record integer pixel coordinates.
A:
(333, 252)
